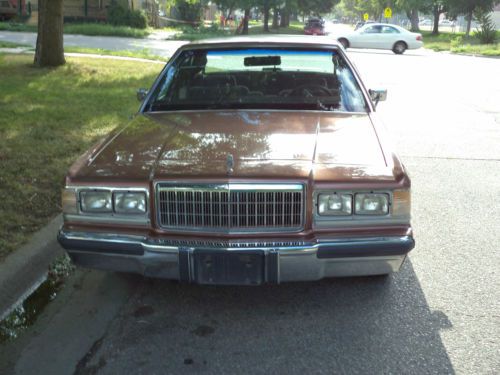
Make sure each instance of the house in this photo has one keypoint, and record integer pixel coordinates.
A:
(92, 10)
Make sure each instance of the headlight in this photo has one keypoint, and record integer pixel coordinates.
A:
(371, 204)
(334, 204)
(130, 203)
(98, 201)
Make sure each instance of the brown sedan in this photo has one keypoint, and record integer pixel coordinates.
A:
(250, 161)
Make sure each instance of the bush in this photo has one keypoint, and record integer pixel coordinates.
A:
(487, 33)
(137, 19)
(457, 42)
(189, 10)
(121, 16)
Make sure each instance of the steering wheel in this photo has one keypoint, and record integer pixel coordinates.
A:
(308, 90)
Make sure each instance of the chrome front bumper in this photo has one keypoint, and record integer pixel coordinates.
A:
(263, 263)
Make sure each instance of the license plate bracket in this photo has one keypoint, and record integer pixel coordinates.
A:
(229, 267)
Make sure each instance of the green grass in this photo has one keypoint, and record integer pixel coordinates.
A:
(14, 26)
(49, 117)
(142, 54)
(458, 43)
(84, 29)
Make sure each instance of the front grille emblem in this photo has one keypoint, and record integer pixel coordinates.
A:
(229, 164)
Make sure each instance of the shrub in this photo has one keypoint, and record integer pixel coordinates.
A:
(189, 10)
(121, 16)
(457, 42)
(137, 19)
(487, 33)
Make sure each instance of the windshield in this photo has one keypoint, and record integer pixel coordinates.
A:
(293, 79)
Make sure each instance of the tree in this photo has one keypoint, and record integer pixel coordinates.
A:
(189, 10)
(246, 17)
(49, 41)
(316, 7)
(411, 8)
(469, 7)
(436, 7)
(227, 6)
(285, 12)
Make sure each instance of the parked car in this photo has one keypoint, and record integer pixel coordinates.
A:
(314, 26)
(426, 22)
(250, 161)
(8, 10)
(382, 36)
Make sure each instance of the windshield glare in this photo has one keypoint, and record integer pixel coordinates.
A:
(292, 79)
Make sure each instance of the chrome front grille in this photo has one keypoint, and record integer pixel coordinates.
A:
(231, 207)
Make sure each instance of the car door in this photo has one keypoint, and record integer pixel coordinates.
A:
(366, 37)
(388, 36)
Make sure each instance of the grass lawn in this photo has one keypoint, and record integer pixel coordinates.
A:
(458, 43)
(49, 117)
(84, 29)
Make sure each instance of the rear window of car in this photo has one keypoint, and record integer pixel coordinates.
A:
(258, 78)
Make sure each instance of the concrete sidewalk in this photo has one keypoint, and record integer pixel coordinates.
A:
(26, 268)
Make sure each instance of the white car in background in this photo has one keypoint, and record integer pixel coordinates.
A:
(382, 36)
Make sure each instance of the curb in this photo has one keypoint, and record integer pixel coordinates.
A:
(25, 269)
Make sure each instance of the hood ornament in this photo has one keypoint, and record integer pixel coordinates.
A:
(229, 164)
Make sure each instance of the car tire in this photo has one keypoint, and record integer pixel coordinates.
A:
(344, 42)
(399, 48)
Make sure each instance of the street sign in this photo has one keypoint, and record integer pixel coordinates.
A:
(365, 16)
(387, 12)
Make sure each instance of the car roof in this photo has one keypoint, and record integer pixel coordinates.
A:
(384, 24)
(265, 41)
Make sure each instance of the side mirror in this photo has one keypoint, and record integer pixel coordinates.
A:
(378, 95)
(141, 94)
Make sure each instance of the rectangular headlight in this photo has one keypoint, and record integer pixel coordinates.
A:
(334, 204)
(371, 204)
(129, 202)
(98, 201)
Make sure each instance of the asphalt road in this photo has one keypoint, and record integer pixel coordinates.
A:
(154, 43)
(439, 314)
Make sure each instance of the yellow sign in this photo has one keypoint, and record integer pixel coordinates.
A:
(365, 16)
(388, 13)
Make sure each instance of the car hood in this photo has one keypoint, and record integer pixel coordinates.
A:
(239, 144)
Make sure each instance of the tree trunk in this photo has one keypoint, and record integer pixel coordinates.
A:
(413, 16)
(275, 18)
(49, 41)
(469, 22)
(285, 17)
(436, 13)
(266, 16)
(244, 30)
